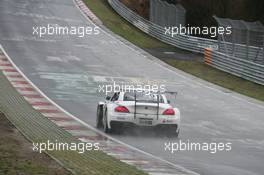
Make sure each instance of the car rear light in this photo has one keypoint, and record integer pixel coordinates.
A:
(121, 109)
(169, 111)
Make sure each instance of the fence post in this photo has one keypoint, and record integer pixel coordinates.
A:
(263, 49)
(247, 38)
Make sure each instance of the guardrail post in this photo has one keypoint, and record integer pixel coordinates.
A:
(208, 56)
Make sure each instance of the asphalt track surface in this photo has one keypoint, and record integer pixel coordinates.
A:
(69, 70)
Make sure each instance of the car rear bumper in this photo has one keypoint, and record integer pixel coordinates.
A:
(142, 120)
(121, 124)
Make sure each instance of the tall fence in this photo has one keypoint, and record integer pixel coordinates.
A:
(165, 14)
(191, 43)
(247, 34)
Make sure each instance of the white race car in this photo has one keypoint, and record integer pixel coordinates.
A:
(140, 109)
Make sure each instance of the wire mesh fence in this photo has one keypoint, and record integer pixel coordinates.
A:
(247, 36)
(165, 14)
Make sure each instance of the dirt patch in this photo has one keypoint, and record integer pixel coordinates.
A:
(17, 157)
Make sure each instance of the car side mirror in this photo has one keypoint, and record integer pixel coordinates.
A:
(168, 101)
(108, 98)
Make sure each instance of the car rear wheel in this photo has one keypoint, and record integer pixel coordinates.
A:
(99, 116)
(105, 125)
(177, 133)
(173, 132)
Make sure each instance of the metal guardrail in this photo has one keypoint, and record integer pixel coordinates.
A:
(236, 66)
(247, 69)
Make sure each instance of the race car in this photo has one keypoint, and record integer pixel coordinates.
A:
(145, 109)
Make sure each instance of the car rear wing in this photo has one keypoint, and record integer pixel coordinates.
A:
(158, 101)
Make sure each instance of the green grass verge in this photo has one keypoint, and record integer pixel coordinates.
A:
(17, 156)
(120, 26)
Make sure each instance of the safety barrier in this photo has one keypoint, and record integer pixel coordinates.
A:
(237, 65)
